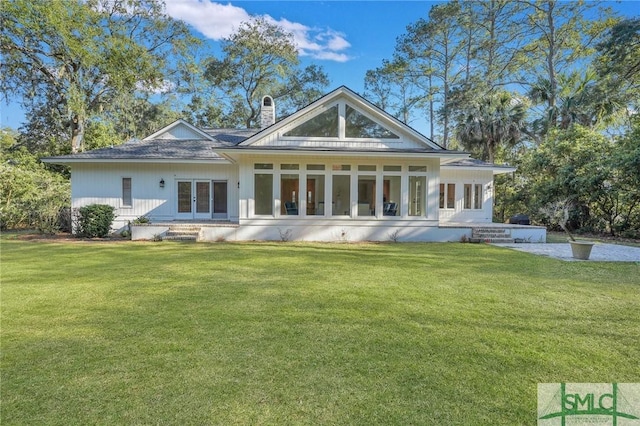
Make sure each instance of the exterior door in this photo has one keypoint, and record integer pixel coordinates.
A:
(194, 199)
(220, 199)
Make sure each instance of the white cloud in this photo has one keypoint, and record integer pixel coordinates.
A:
(217, 21)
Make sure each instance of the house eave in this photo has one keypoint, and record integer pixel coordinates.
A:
(497, 170)
(234, 153)
(70, 161)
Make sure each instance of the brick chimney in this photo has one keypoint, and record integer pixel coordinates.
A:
(267, 112)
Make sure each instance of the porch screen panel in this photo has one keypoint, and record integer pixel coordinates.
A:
(417, 195)
(366, 195)
(315, 195)
(391, 195)
(263, 194)
(289, 194)
(184, 197)
(341, 195)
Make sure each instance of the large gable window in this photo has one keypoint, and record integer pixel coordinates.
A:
(359, 126)
(324, 125)
(341, 121)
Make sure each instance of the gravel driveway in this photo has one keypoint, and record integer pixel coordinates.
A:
(600, 252)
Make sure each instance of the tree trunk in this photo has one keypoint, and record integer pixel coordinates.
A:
(77, 134)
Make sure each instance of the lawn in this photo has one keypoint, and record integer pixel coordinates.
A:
(288, 333)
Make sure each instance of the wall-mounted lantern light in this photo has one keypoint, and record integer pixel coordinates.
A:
(161, 183)
(238, 184)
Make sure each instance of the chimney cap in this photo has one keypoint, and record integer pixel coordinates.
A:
(267, 112)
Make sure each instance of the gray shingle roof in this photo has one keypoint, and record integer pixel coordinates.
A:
(472, 162)
(157, 149)
(231, 136)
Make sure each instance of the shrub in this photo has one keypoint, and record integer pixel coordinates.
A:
(30, 195)
(95, 220)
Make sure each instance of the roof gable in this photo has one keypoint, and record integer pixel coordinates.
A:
(341, 119)
(177, 130)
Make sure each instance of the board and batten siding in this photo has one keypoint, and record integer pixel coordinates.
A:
(180, 132)
(460, 178)
(101, 183)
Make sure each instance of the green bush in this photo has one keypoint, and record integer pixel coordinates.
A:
(30, 195)
(95, 220)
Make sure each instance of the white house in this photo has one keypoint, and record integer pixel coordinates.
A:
(338, 169)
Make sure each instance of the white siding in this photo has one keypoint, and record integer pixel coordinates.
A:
(460, 178)
(180, 131)
(102, 183)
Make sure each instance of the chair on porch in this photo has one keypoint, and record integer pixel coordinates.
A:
(390, 209)
(291, 208)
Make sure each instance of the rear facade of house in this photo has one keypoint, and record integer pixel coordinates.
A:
(339, 169)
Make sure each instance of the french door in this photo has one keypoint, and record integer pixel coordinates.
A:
(201, 199)
(194, 199)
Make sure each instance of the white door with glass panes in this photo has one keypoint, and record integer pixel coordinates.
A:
(194, 199)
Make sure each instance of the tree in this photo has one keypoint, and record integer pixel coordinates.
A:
(72, 58)
(261, 59)
(561, 38)
(618, 64)
(582, 165)
(620, 51)
(31, 196)
(491, 123)
(392, 89)
(433, 50)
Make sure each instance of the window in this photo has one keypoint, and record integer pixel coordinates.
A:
(315, 195)
(417, 168)
(391, 195)
(127, 200)
(451, 195)
(263, 194)
(448, 194)
(417, 195)
(341, 195)
(473, 196)
(324, 125)
(392, 168)
(360, 126)
(477, 196)
(263, 166)
(366, 195)
(289, 193)
(315, 166)
(341, 121)
(341, 167)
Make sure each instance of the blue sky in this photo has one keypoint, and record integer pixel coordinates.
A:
(346, 38)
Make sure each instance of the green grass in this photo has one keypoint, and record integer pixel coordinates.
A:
(284, 333)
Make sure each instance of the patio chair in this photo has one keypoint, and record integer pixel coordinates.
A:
(291, 208)
(390, 209)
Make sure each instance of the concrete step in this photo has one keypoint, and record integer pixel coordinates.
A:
(181, 232)
(492, 240)
(180, 238)
(491, 230)
(490, 234)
